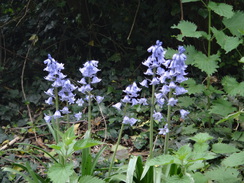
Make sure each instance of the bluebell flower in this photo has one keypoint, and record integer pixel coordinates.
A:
(172, 101)
(65, 110)
(47, 118)
(57, 115)
(144, 83)
(49, 92)
(117, 106)
(142, 101)
(80, 102)
(99, 99)
(184, 113)
(157, 116)
(95, 80)
(90, 69)
(130, 121)
(164, 131)
(49, 101)
(126, 99)
(78, 116)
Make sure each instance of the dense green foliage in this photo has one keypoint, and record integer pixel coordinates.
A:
(118, 33)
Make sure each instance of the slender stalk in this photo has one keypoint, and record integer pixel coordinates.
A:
(115, 150)
(151, 122)
(56, 121)
(166, 142)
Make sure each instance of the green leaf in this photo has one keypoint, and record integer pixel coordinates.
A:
(227, 43)
(235, 23)
(206, 64)
(223, 175)
(233, 160)
(85, 143)
(192, 87)
(178, 179)
(164, 159)
(190, 129)
(221, 9)
(199, 178)
(201, 137)
(239, 136)
(224, 148)
(131, 169)
(185, 101)
(222, 107)
(59, 173)
(232, 87)
(188, 29)
(188, 1)
(235, 115)
(183, 153)
(90, 179)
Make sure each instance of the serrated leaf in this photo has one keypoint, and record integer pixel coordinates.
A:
(223, 175)
(189, 129)
(90, 179)
(201, 137)
(177, 179)
(235, 23)
(227, 43)
(199, 178)
(222, 107)
(188, 29)
(190, 52)
(206, 64)
(160, 160)
(232, 87)
(224, 148)
(185, 101)
(59, 173)
(233, 160)
(221, 9)
(238, 136)
(192, 87)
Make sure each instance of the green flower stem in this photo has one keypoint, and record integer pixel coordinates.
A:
(116, 148)
(89, 110)
(56, 126)
(151, 122)
(166, 142)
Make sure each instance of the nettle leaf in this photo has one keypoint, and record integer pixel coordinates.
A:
(190, 129)
(227, 43)
(206, 64)
(178, 179)
(232, 87)
(161, 160)
(222, 107)
(201, 137)
(221, 9)
(190, 52)
(192, 87)
(90, 179)
(59, 173)
(188, 29)
(233, 160)
(235, 23)
(223, 175)
(224, 148)
(185, 101)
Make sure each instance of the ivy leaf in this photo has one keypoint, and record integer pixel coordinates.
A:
(59, 173)
(232, 87)
(90, 179)
(221, 107)
(188, 29)
(206, 64)
(221, 9)
(235, 23)
(226, 42)
(224, 148)
(227, 175)
(233, 160)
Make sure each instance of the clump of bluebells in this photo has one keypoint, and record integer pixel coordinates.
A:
(166, 78)
(63, 90)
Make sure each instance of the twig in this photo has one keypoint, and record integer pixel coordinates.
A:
(26, 9)
(10, 143)
(134, 20)
(181, 11)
